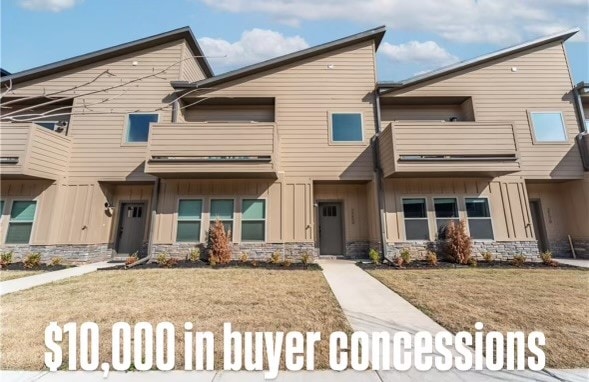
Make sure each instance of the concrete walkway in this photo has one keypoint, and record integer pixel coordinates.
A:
(28, 282)
(370, 306)
(583, 263)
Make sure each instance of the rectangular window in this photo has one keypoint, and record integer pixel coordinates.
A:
(138, 127)
(253, 225)
(346, 127)
(548, 127)
(222, 209)
(189, 220)
(20, 225)
(479, 218)
(446, 211)
(416, 225)
(50, 125)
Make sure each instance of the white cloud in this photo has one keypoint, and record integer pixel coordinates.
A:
(492, 21)
(428, 54)
(48, 5)
(254, 46)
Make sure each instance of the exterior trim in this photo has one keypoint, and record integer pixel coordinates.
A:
(345, 143)
(532, 131)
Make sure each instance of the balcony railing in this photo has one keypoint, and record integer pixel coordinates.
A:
(209, 148)
(422, 147)
(28, 150)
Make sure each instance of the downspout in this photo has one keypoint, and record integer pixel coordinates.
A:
(379, 176)
(582, 127)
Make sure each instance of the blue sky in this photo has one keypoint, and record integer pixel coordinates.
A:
(422, 34)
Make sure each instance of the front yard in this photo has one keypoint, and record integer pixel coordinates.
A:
(252, 300)
(11, 275)
(554, 301)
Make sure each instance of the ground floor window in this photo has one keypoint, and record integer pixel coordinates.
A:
(222, 209)
(479, 218)
(189, 220)
(253, 224)
(416, 224)
(446, 210)
(20, 226)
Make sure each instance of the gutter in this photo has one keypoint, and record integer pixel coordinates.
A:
(379, 177)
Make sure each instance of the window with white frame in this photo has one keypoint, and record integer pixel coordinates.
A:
(415, 214)
(346, 127)
(20, 226)
(222, 209)
(548, 127)
(138, 127)
(189, 220)
(479, 218)
(446, 210)
(253, 221)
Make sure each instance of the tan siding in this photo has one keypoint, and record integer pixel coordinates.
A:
(541, 82)
(507, 198)
(391, 113)
(298, 210)
(305, 93)
(256, 113)
(190, 69)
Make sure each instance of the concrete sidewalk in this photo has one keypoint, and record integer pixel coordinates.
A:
(583, 263)
(28, 282)
(370, 306)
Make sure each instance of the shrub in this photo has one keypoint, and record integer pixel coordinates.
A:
(306, 258)
(488, 257)
(546, 258)
(164, 260)
(275, 258)
(518, 260)
(32, 260)
(193, 255)
(399, 262)
(244, 258)
(374, 256)
(219, 246)
(458, 243)
(56, 261)
(287, 262)
(431, 258)
(472, 262)
(405, 256)
(131, 259)
(5, 259)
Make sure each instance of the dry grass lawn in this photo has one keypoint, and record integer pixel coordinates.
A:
(252, 300)
(554, 301)
(11, 275)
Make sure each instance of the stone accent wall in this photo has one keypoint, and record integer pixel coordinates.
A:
(502, 250)
(357, 249)
(562, 248)
(75, 254)
(254, 251)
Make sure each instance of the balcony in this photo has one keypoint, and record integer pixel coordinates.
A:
(29, 151)
(213, 149)
(446, 148)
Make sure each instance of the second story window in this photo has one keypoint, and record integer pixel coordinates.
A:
(346, 128)
(548, 127)
(138, 127)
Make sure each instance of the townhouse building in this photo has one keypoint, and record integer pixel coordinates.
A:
(139, 147)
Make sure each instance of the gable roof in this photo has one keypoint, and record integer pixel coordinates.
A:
(4, 72)
(114, 51)
(375, 34)
(387, 87)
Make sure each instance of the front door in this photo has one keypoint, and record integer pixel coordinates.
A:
(131, 228)
(538, 223)
(330, 229)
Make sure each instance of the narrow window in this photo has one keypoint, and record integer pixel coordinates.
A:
(548, 127)
(446, 211)
(21, 221)
(253, 225)
(50, 125)
(416, 225)
(479, 218)
(138, 127)
(346, 127)
(189, 220)
(1, 208)
(222, 209)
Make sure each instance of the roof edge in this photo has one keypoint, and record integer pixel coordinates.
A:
(388, 87)
(375, 34)
(113, 51)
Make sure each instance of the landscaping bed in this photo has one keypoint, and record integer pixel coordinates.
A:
(423, 264)
(232, 264)
(553, 301)
(260, 300)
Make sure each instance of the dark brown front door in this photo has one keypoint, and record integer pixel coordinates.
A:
(330, 229)
(538, 223)
(131, 228)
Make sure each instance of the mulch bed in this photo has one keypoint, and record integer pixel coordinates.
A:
(232, 264)
(19, 266)
(421, 264)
